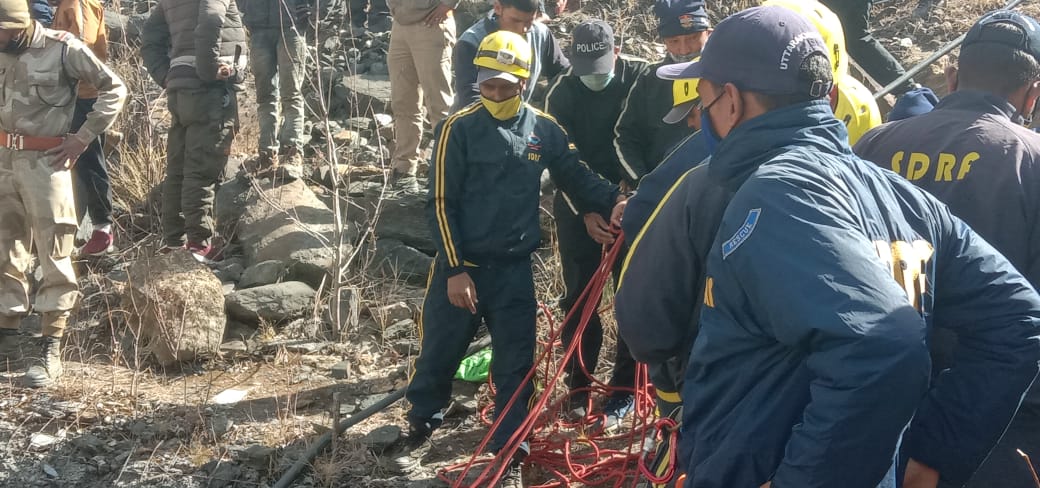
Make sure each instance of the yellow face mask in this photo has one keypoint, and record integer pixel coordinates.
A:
(503, 110)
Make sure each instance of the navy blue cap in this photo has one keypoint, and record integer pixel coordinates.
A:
(914, 102)
(759, 49)
(592, 48)
(679, 17)
(1029, 41)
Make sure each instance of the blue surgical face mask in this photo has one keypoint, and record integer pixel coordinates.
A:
(711, 139)
(597, 82)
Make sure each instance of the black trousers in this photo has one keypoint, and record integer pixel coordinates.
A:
(506, 304)
(862, 46)
(580, 257)
(91, 183)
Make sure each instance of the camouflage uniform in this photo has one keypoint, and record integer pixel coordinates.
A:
(37, 99)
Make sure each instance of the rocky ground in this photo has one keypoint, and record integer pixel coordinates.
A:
(280, 346)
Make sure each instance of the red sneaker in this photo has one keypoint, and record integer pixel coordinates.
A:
(100, 243)
(204, 253)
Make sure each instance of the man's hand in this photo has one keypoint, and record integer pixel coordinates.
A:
(462, 292)
(767, 484)
(561, 7)
(439, 14)
(617, 213)
(919, 476)
(598, 229)
(224, 72)
(67, 153)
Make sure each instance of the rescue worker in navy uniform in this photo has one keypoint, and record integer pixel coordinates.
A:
(824, 280)
(974, 153)
(586, 100)
(483, 209)
(516, 16)
(642, 139)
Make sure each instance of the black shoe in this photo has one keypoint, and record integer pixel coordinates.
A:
(615, 409)
(576, 406)
(513, 476)
(406, 456)
(47, 368)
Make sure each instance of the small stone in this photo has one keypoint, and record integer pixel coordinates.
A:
(50, 471)
(258, 457)
(389, 314)
(383, 120)
(263, 273)
(90, 444)
(358, 123)
(40, 441)
(304, 347)
(378, 68)
(220, 425)
(382, 437)
(232, 272)
(406, 347)
(906, 42)
(234, 347)
(341, 370)
(399, 330)
(369, 401)
(229, 396)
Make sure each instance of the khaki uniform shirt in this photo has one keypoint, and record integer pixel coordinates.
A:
(38, 87)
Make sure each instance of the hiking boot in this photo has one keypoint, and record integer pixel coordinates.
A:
(45, 369)
(403, 183)
(406, 456)
(615, 410)
(100, 243)
(10, 349)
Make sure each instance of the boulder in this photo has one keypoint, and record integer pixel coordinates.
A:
(176, 306)
(404, 219)
(230, 204)
(367, 93)
(124, 29)
(263, 273)
(277, 303)
(290, 223)
(395, 260)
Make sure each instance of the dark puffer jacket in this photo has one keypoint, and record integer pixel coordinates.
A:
(185, 41)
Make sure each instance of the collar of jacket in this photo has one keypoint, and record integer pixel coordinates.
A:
(491, 22)
(980, 102)
(764, 137)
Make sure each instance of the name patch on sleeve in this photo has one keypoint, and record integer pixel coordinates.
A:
(742, 233)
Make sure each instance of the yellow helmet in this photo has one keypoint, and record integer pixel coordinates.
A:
(684, 93)
(856, 108)
(830, 29)
(505, 51)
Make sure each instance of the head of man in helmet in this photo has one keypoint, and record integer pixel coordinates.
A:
(15, 25)
(516, 15)
(683, 26)
(503, 66)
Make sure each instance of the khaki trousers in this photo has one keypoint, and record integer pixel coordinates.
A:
(419, 61)
(36, 208)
